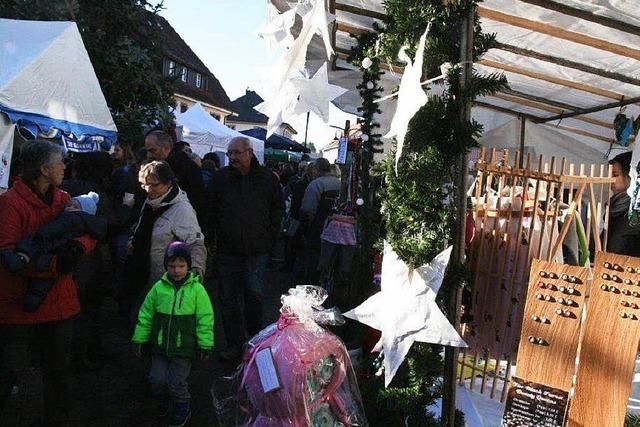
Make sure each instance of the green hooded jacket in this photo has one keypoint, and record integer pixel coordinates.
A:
(176, 320)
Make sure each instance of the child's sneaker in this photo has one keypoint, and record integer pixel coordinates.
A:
(163, 407)
(180, 414)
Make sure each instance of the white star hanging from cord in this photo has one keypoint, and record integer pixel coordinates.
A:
(411, 96)
(316, 94)
(277, 30)
(277, 106)
(405, 310)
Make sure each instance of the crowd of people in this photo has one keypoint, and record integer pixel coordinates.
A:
(142, 227)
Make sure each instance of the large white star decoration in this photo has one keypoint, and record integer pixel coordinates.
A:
(277, 29)
(315, 20)
(315, 94)
(405, 310)
(411, 96)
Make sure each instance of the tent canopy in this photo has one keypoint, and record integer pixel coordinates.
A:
(206, 134)
(542, 139)
(47, 80)
(572, 64)
(279, 142)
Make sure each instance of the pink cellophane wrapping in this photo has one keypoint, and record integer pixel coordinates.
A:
(318, 385)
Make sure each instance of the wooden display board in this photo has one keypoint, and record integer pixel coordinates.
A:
(609, 345)
(551, 326)
(511, 231)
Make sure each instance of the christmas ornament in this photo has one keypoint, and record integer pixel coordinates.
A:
(411, 96)
(315, 94)
(277, 29)
(405, 310)
(367, 63)
(359, 201)
(364, 137)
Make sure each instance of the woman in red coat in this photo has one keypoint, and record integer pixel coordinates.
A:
(33, 201)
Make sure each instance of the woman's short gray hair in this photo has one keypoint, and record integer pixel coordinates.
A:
(36, 154)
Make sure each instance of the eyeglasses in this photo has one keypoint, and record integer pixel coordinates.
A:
(150, 184)
(236, 152)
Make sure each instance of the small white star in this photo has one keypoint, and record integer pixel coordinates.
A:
(315, 94)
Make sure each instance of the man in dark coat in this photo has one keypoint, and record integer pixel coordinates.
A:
(160, 147)
(246, 209)
(622, 238)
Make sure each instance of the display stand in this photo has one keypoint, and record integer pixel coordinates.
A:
(551, 326)
(510, 231)
(609, 345)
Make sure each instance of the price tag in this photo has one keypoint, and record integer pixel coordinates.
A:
(267, 370)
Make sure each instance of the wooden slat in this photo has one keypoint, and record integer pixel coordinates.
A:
(360, 11)
(551, 109)
(552, 364)
(568, 220)
(569, 64)
(536, 119)
(551, 79)
(587, 133)
(586, 15)
(608, 349)
(560, 33)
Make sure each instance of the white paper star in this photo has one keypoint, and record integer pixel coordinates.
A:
(277, 29)
(405, 310)
(315, 94)
(411, 96)
(280, 103)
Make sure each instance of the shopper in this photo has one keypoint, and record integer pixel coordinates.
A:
(176, 321)
(246, 212)
(622, 238)
(32, 202)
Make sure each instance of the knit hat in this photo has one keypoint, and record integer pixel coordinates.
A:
(88, 202)
(177, 250)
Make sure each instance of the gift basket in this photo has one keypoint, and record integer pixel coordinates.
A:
(295, 373)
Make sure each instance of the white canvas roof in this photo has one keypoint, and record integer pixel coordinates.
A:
(571, 64)
(47, 80)
(206, 134)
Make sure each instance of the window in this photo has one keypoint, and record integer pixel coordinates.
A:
(184, 74)
(198, 80)
(172, 68)
(183, 108)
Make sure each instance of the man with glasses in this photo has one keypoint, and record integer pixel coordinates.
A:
(246, 209)
(160, 146)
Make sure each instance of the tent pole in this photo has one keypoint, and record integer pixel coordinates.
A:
(306, 130)
(458, 256)
(523, 123)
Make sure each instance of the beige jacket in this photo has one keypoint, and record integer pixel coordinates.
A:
(179, 222)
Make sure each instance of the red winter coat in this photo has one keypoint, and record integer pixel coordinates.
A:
(22, 213)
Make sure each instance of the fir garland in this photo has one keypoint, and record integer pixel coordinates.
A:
(418, 219)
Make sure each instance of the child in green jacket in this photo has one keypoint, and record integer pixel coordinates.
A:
(176, 320)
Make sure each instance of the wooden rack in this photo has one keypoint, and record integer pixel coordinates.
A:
(501, 286)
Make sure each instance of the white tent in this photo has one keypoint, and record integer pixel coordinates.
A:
(206, 134)
(543, 139)
(47, 80)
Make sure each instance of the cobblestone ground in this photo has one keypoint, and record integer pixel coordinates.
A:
(116, 395)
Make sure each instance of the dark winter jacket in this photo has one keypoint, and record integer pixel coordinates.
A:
(22, 213)
(67, 226)
(189, 179)
(246, 210)
(297, 194)
(623, 239)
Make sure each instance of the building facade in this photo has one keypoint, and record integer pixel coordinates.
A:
(195, 83)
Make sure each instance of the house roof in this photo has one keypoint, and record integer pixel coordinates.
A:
(244, 107)
(178, 50)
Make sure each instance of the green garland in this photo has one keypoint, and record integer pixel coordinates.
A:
(418, 218)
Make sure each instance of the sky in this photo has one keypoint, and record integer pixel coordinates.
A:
(223, 33)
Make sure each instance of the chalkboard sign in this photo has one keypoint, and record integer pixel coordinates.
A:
(531, 404)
